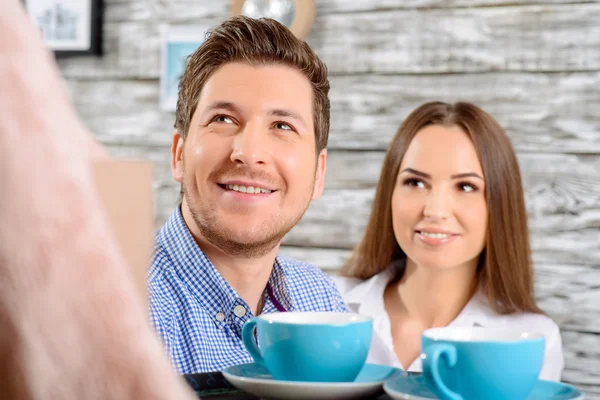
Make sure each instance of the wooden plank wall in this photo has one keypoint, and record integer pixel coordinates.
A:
(535, 65)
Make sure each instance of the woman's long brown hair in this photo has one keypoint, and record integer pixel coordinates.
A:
(505, 267)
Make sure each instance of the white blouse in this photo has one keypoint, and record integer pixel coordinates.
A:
(366, 297)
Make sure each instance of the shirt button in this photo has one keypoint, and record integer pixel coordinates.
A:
(220, 317)
(239, 310)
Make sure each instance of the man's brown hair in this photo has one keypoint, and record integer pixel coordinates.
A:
(505, 268)
(257, 42)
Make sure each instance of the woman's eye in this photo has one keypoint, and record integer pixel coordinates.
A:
(467, 187)
(414, 183)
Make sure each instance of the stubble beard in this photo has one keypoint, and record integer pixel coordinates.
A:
(256, 246)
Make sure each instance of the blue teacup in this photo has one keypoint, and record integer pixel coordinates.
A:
(481, 363)
(310, 346)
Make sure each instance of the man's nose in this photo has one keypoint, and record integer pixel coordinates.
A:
(250, 145)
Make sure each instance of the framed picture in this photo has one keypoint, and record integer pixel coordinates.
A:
(68, 27)
(178, 43)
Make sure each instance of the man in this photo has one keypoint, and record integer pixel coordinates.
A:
(252, 123)
(71, 325)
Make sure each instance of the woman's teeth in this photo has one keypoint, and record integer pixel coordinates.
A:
(435, 235)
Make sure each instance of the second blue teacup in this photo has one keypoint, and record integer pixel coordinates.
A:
(310, 346)
(481, 363)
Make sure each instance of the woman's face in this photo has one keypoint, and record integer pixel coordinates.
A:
(438, 205)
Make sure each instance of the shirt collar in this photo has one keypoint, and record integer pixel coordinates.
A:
(279, 283)
(205, 283)
(478, 312)
(367, 298)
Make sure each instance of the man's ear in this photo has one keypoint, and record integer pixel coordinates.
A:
(177, 157)
(320, 174)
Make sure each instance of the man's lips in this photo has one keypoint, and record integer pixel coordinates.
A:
(248, 187)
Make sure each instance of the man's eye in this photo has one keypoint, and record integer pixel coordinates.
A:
(283, 126)
(223, 119)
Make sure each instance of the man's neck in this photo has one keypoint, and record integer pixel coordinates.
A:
(248, 276)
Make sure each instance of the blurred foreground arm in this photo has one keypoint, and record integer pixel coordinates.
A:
(72, 325)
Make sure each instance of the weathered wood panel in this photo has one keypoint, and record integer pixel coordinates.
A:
(541, 112)
(527, 38)
(173, 11)
(352, 6)
(131, 50)
(582, 361)
(329, 260)
(518, 38)
(182, 11)
(121, 112)
(569, 293)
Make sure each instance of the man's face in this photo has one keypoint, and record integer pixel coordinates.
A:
(248, 166)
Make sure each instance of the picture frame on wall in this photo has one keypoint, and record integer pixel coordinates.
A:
(68, 27)
(178, 43)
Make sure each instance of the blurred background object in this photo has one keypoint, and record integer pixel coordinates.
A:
(533, 64)
(297, 15)
(280, 10)
(178, 43)
(68, 27)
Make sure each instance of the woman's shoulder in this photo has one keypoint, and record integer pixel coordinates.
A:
(374, 284)
(524, 320)
(549, 329)
(533, 322)
(345, 284)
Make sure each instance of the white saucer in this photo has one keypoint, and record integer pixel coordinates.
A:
(257, 381)
(413, 387)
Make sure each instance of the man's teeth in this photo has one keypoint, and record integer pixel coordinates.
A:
(247, 189)
(435, 235)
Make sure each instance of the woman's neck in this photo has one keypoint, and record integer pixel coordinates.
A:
(434, 297)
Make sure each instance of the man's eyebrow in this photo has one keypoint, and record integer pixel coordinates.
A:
(280, 112)
(221, 105)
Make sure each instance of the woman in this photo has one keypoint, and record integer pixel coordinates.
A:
(447, 242)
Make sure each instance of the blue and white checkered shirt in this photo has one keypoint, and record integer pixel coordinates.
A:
(192, 305)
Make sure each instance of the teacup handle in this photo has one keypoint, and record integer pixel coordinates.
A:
(433, 352)
(250, 342)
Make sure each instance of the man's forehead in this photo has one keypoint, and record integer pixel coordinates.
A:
(236, 79)
(270, 89)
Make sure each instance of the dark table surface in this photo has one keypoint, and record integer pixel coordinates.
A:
(245, 396)
(214, 386)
